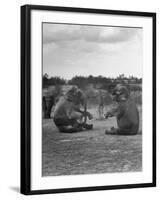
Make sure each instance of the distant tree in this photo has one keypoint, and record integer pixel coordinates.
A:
(52, 81)
(121, 77)
(56, 81)
(80, 81)
(45, 80)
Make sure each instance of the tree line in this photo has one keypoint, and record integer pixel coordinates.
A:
(100, 82)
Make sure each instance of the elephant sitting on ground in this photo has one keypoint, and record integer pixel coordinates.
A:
(68, 116)
(126, 113)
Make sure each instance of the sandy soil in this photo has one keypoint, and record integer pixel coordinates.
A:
(89, 152)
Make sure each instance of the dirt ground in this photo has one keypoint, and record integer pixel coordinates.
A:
(89, 152)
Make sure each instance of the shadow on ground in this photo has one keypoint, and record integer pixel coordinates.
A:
(15, 189)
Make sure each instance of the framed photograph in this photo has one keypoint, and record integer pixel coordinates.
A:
(88, 99)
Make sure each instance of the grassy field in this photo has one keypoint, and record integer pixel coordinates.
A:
(89, 152)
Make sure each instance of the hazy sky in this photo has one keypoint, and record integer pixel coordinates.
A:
(70, 50)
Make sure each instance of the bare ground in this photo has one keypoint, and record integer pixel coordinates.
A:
(89, 152)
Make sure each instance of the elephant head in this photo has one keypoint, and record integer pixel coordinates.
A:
(76, 96)
(120, 93)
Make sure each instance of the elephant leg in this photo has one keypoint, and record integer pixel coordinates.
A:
(120, 131)
(70, 129)
(49, 108)
(68, 125)
(126, 132)
(76, 128)
(87, 126)
(44, 104)
(72, 125)
(76, 116)
(79, 121)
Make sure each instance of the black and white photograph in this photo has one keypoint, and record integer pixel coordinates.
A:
(80, 100)
(92, 99)
(88, 99)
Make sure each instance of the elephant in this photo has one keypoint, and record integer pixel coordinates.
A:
(49, 100)
(47, 103)
(126, 113)
(68, 116)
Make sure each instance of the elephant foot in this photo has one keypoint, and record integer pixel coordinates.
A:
(88, 126)
(117, 131)
(112, 131)
(70, 129)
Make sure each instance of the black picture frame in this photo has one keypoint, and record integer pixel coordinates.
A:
(25, 182)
